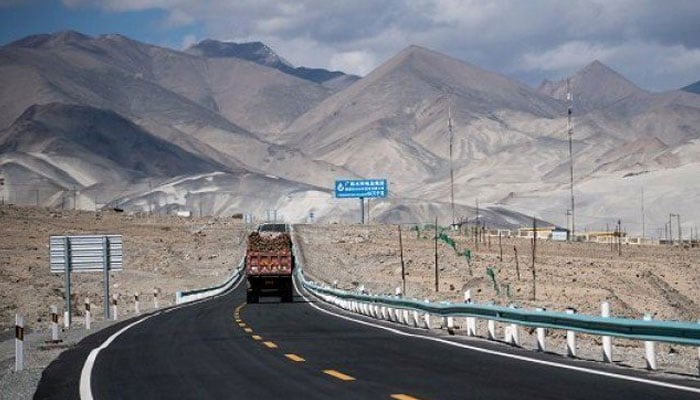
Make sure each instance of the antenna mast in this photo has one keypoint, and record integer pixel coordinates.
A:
(452, 172)
(570, 131)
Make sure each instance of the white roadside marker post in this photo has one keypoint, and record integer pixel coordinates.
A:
(540, 337)
(115, 311)
(54, 324)
(607, 340)
(137, 309)
(87, 313)
(19, 342)
(649, 352)
(155, 298)
(66, 320)
(570, 338)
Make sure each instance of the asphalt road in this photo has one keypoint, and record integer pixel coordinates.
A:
(224, 349)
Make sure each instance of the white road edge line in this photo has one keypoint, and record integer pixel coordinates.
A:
(86, 373)
(501, 354)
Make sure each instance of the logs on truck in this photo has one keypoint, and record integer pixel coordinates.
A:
(269, 242)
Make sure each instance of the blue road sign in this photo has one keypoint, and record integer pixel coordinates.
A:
(356, 188)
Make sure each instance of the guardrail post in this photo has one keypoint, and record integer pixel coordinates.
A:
(471, 321)
(649, 353)
(491, 325)
(515, 337)
(88, 315)
(570, 338)
(115, 311)
(426, 317)
(54, 324)
(137, 309)
(607, 340)
(540, 336)
(19, 342)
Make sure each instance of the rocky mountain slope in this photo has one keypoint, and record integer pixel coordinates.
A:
(246, 135)
(260, 53)
(693, 88)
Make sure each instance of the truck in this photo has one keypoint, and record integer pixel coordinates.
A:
(269, 263)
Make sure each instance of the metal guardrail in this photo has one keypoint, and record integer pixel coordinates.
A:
(186, 296)
(685, 333)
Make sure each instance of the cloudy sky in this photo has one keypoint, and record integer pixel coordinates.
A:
(655, 43)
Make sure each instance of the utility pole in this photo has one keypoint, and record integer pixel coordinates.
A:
(534, 251)
(452, 172)
(619, 237)
(437, 277)
(670, 228)
(403, 268)
(570, 131)
(680, 237)
(643, 219)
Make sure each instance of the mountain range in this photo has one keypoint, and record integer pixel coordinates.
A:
(224, 128)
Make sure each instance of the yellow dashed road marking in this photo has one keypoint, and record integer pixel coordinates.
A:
(241, 324)
(294, 357)
(338, 375)
(256, 337)
(248, 330)
(402, 397)
(270, 345)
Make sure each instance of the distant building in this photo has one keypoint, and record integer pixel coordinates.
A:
(603, 236)
(542, 233)
(499, 232)
(559, 235)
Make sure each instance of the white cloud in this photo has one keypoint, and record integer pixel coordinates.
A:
(659, 66)
(188, 41)
(566, 56)
(354, 62)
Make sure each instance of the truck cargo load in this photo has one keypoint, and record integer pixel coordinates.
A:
(269, 263)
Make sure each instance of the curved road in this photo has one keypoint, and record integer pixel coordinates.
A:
(223, 348)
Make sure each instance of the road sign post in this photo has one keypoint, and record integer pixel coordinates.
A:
(66, 268)
(95, 253)
(105, 272)
(361, 188)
